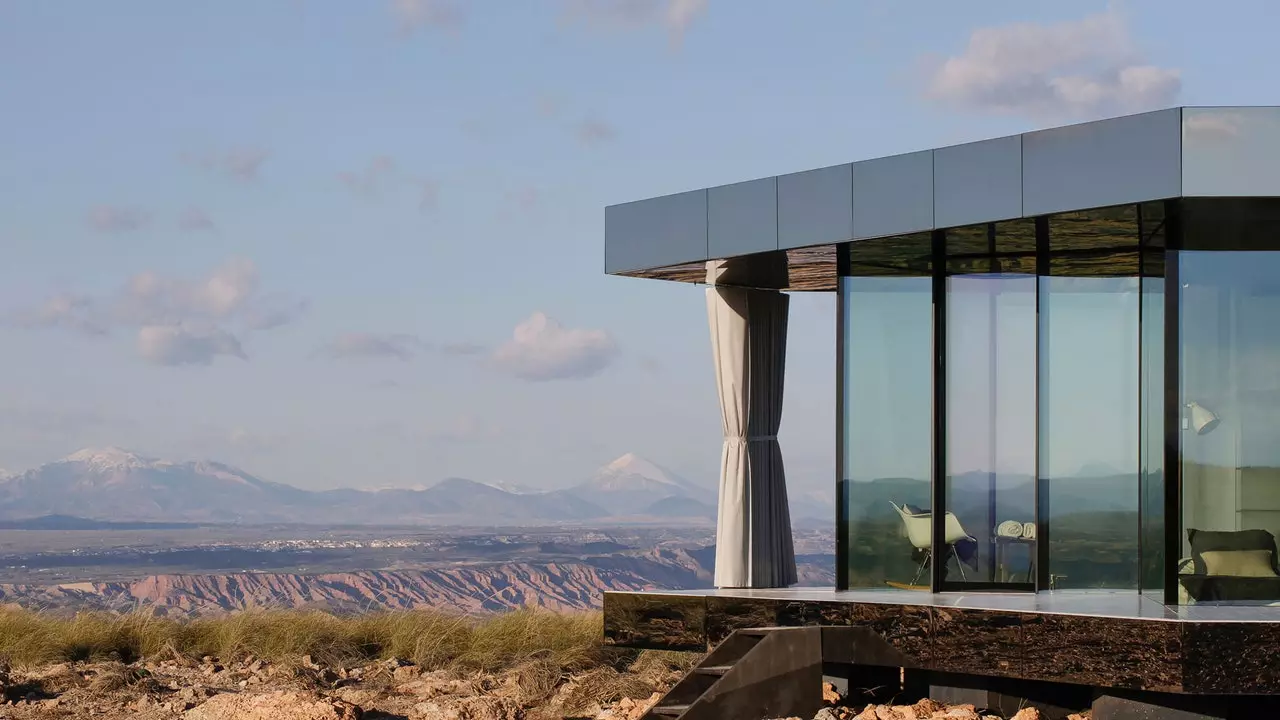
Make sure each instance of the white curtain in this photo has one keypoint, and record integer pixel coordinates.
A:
(753, 531)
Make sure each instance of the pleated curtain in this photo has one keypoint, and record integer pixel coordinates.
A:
(754, 547)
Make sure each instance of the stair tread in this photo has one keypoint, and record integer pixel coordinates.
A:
(714, 669)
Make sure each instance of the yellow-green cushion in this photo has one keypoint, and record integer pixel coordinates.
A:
(1238, 563)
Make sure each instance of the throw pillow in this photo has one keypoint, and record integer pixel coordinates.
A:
(1203, 541)
(1238, 563)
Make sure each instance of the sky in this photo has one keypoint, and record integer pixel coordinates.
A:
(361, 244)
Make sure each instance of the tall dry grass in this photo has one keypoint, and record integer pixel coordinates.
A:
(568, 641)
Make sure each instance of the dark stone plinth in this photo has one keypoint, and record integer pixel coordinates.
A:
(1226, 658)
(1008, 695)
(1156, 706)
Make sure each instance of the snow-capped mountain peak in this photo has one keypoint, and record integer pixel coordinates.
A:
(109, 458)
(632, 465)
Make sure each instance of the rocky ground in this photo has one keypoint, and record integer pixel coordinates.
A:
(175, 686)
(253, 689)
(839, 708)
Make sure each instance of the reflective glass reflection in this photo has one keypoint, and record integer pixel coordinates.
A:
(991, 406)
(1089, 399)
(1229, 354)
(1089, 406)
(888, 411)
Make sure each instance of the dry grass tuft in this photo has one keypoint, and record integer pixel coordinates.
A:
(602, 685)
(118, 676)
(527, 657)
(570, 642)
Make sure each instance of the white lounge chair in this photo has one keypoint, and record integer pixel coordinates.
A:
(920, 533)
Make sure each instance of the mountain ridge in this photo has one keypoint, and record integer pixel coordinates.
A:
(115, 484)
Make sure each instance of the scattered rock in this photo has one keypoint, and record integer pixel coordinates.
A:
(405, 673)
(629, 709)
(829, 694)
(467, 708)
(274, 706)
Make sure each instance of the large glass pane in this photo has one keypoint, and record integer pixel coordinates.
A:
(991, 412)
(887, 310)
(1089, 399)
(1229, 343)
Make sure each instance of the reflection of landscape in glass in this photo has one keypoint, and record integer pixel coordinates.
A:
(1230, 389)
(1099, 419)
(1089, 425)
(991, 406)
(888, 421)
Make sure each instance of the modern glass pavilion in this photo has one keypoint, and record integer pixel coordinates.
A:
(1059, 356)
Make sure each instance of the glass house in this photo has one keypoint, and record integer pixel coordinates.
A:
(1058, 353)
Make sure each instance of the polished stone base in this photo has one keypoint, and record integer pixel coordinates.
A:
(1114, 641)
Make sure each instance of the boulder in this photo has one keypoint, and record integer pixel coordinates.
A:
(274, 706)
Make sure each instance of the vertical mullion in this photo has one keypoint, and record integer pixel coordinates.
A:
(1041, 500)
(1142, 410)
(1172, 402)
(939, 501)
(842, 489)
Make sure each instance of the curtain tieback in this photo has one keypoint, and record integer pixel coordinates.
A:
(750, 438)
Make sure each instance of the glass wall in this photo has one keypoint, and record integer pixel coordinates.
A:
(1100, 408)
(1089, 400)
(990, 365)
(1229, 394)
(886, 316)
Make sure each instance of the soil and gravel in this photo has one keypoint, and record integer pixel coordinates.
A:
(208, 688)
(173, 686)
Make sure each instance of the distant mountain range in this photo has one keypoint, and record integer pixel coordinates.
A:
(112, 484)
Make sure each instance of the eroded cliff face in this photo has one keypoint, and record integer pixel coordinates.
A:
(575, 585)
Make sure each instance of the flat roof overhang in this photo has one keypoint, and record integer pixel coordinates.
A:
(1178, 152)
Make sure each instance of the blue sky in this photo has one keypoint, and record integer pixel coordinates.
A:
(360, 244)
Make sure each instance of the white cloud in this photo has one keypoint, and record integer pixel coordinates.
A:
(1079, 69)
(178, 320)
(464, 348)
(186, 344)
(674, 16)
(542, 349)
(594, 131)
(1221, 125)
(273, 311)
(373, 345)
(150, 298)
(413, 15)
(238, 163)
(66, 310)
(428, 195)
(194, 219)
(117, 219)
(370, 180)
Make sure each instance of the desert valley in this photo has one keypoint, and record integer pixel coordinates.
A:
(108, 529)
